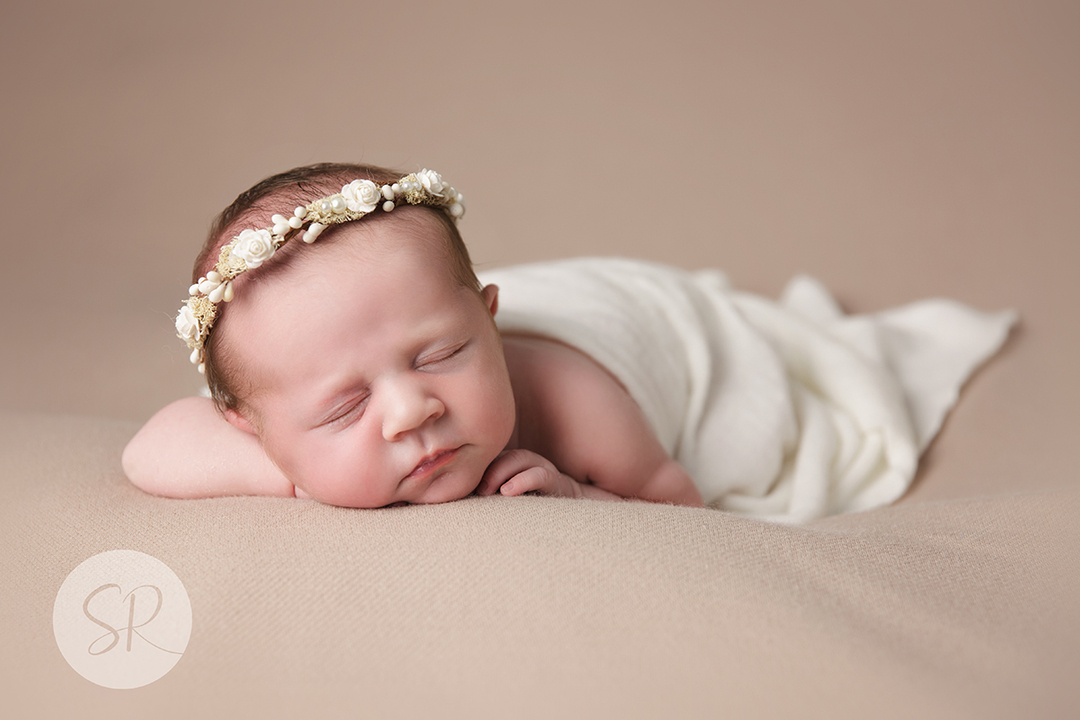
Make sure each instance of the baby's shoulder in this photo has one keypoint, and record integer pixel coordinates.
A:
(572, 411)
(558, 384)
(541, 363)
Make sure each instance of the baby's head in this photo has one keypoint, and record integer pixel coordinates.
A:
(367, 363)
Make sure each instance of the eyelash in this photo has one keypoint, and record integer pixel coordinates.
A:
(347, 411)
(442, 357)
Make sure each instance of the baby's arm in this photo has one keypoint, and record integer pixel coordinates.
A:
(187, 450)
(575, 414)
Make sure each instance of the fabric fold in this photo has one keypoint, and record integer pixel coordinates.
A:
(786, 410)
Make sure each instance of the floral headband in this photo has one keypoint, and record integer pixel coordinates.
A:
(251, 248)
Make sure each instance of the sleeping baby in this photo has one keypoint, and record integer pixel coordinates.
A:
(354, 357)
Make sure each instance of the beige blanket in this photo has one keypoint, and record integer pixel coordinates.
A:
(543, 607)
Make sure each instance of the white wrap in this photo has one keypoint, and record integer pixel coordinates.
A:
(784, 410)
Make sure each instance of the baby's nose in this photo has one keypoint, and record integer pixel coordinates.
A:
(408, 406)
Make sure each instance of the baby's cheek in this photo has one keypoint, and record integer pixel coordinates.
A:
(305, 472)
(506, 413)
(351, 487)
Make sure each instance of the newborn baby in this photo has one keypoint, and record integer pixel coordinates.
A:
(372, 368)
(366, 370)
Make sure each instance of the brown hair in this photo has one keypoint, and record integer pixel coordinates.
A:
(279, 194)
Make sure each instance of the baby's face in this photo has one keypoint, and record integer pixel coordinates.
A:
(379, 379)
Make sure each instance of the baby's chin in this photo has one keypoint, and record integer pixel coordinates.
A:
(441, 490)
(445, 490)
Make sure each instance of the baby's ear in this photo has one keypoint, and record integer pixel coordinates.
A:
(239, 422)
(491, 298)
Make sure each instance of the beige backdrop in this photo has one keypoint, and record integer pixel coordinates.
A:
(896, 150)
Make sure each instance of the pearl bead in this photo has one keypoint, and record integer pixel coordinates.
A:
(193, 290)
(388, 206)
(281, 228)
(194, 357)
(228, 292)
(300, 211)
(325, 206)
(456, 210)
(337, 204)
(388, 192)
(277, 219)
(295, 223)
(214, 276)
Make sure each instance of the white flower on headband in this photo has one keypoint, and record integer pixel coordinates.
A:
(254, 247)
(187, 327)
(433, 182)
(362, 195)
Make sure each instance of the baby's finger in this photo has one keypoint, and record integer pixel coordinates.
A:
(530, 479)
(494, 476)
(504, 467)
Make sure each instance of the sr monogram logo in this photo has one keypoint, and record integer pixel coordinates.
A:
(131, 626)
(122, 619)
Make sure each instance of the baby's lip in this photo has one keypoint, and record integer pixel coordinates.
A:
(432, 462)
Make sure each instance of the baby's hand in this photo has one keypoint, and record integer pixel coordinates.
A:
(517, 472)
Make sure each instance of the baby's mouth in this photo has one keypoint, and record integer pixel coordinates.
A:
(432, 462)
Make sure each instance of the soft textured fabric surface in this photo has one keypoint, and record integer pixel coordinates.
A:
(788, 411)
(540, 607)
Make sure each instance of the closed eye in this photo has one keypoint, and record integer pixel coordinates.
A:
(435, 359)
(347, 413)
